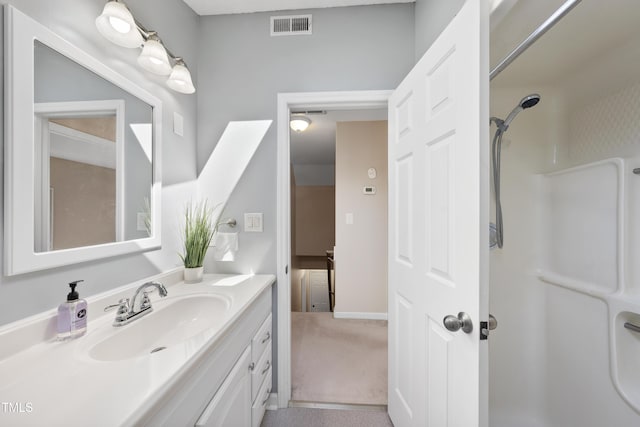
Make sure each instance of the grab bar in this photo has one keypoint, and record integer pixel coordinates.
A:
(632, 327)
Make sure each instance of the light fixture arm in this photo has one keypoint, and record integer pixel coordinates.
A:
(147, 34)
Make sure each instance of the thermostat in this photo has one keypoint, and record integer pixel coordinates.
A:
(369, 190)
(372, 173)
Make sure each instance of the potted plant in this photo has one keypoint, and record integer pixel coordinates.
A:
(198, 232)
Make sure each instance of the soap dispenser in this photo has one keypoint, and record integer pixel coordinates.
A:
(72, 315)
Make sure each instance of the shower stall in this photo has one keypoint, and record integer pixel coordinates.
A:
(565, 285)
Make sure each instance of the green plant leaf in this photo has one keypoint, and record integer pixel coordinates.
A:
(198, 233)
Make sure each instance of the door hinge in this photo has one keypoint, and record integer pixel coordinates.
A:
(286, 269)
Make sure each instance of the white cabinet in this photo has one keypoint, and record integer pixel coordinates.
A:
(231, 385)
(231, 406)
(261, 371)
(242, 398)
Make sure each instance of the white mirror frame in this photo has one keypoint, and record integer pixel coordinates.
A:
(19, 149)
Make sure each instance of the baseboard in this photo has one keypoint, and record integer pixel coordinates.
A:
(342, 406)
(272, 402)
(356, 315)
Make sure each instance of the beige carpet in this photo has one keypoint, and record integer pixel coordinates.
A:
(338, 360)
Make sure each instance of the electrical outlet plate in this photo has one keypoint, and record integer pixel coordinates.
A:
(253, 222)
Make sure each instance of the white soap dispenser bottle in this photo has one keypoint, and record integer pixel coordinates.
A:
(72, 315)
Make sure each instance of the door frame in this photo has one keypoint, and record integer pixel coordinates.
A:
(342, 100)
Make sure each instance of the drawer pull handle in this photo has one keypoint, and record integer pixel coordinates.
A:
(252, 366)
(267, 398)
(268, 337)
(264, 371)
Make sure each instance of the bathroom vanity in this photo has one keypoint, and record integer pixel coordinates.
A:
(201, 358)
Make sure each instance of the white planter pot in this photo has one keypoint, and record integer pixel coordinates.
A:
(193, 275)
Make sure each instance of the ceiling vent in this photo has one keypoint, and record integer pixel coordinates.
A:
(290, 25)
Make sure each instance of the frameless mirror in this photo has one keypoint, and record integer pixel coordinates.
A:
(82, 150)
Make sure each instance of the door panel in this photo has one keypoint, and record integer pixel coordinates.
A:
(439, 216)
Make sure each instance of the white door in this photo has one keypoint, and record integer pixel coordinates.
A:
(438, 229)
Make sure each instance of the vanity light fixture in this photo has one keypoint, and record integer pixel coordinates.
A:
(180, 78)
(154, 57)
(299, 123)
(117, 24)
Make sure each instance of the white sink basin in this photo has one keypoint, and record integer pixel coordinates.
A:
(173, 321)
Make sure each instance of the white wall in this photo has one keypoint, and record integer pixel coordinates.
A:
(32, 293)
(551, 358)
(361, 247)
(517, 348)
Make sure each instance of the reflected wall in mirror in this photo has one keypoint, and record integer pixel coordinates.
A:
(78, 181)
(88, 184)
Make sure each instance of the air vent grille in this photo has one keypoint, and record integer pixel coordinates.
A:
(290, 25)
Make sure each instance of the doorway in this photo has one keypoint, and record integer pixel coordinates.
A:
(339, 201)
(287, 103)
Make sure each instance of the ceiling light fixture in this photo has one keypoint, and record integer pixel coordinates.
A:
(299, 123)
(117, 24)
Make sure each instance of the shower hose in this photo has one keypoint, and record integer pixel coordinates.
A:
(496, 147)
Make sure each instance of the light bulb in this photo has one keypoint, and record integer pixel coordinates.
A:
(120, 25)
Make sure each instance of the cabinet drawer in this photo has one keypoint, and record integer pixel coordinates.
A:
(260, 405)
(260, 372)
(261, 340)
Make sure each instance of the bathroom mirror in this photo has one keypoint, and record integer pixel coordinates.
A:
(82, 154)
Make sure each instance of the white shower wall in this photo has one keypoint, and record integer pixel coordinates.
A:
(551, 356)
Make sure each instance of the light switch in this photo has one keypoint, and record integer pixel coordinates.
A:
(253, 222)
(178, 124)
(349, 218)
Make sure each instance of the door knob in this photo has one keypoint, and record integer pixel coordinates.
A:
(462, 321)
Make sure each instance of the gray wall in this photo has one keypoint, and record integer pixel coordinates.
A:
(431, 17)
(27, 294)
(243, 69)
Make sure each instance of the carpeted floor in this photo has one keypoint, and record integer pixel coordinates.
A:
(338, 360)
(308, 417)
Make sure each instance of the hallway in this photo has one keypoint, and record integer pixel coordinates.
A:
(338, 360)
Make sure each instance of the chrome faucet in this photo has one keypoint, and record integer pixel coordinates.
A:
(127, 313)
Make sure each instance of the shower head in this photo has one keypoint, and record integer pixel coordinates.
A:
(526, 102)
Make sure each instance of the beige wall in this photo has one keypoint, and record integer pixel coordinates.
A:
(102, 127)
(314, 220)
(312, 231)
(361, 247)
(84, 204)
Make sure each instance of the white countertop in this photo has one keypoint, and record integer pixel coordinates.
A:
(58, 383)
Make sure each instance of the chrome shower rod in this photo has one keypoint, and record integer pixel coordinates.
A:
(535, 35)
